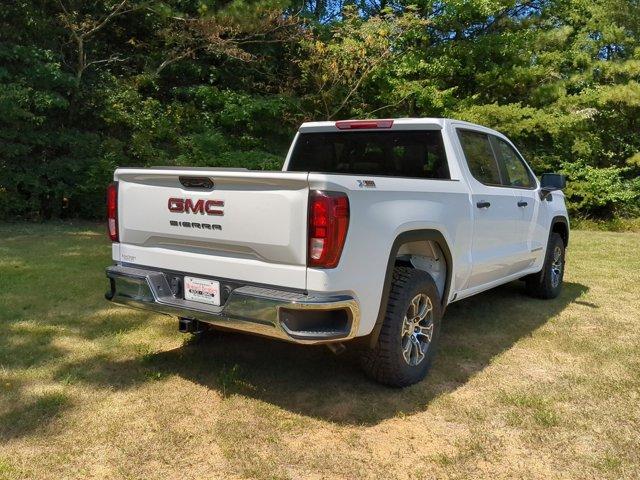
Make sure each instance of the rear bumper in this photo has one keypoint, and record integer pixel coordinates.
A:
(296, 317)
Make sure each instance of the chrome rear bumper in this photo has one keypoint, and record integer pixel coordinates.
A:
(292, 316)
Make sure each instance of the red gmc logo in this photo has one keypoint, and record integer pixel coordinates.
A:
(187, 205)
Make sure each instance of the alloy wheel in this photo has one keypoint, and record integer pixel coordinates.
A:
(417, 329)
(556, 267)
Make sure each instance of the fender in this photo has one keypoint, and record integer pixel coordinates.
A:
(557, 220)
(407, 237)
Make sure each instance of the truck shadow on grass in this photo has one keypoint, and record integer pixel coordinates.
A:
(311, 381)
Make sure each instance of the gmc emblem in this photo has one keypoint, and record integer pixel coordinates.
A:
(187, 205)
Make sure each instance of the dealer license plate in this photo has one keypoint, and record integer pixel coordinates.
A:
(202, 290)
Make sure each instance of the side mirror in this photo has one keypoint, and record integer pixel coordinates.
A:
(550, 182)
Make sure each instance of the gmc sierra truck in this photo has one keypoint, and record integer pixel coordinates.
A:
(366, 235)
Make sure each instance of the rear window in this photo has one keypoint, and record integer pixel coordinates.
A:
(479, 154)
(416, 154)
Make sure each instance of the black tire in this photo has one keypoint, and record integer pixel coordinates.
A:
(548, 282)
(387, 362)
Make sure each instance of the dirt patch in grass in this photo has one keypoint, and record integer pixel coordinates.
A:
(521, 387)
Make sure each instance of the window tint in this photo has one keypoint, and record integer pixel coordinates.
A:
(418, 154)
(515, 172)
(479, 155)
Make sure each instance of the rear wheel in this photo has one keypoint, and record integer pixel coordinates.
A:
(408, 337)
(548, 282)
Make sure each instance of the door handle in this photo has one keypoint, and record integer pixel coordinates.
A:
(522, 204)
(483, 204)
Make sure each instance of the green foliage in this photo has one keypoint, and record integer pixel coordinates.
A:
(140, 96)
(601, 192)
(39, 155)
(89, 86)
(352, 64)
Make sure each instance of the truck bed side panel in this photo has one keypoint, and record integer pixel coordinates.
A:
(378, 216)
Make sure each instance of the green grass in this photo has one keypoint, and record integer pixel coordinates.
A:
(522, 388)
(617, 224)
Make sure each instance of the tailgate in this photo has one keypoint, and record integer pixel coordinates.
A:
(250, 226)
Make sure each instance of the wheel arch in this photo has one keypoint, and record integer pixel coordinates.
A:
(560, 225)
(404, 238)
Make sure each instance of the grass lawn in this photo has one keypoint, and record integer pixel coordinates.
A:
(522, 388)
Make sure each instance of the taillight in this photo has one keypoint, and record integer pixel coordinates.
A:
(328, 224)
(112, 211)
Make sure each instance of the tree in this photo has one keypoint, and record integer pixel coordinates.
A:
(339, 72)
(88, 86)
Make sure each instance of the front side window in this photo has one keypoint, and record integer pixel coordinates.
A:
(396, 153)
(515, 173)
(477, 150)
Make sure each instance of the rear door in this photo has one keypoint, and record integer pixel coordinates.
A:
(239, 225)
(495, 249)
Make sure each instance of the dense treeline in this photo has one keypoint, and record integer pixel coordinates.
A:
(88, 85)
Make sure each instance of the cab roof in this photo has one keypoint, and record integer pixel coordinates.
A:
(390, 124)
(374, 124)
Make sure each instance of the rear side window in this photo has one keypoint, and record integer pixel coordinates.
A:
(477, 150)
(416, 153)
(515, 172)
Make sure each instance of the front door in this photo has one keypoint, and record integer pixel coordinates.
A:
(517, 175)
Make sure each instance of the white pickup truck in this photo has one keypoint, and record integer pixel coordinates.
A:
(372, 228)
